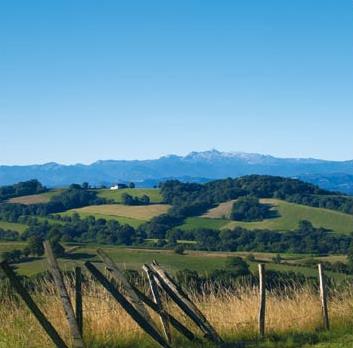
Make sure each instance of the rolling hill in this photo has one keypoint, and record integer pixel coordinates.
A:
(289, 216)
(35, 199)
(131, 215)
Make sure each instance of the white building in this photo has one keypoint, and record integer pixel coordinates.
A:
(118, 187)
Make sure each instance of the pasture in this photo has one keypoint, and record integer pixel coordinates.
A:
(35, 199)
(12, 226)
(140, 212)
(200, 261)
(115, 195)
(289, 215)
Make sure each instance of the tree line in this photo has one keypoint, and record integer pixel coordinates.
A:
(24, 188)
(75, 196)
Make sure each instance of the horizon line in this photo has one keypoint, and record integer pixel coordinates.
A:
(174, 155)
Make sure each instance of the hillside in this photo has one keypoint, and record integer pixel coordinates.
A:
(35, 199)
(190, 212)
(289, 215)
(131, 215)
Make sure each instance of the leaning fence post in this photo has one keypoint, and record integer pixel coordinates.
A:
(177, 324)
(121, 279)
(323, 296)
(65, 299)
(147, 326)
(26, 297)
(177, 294)
(262, 300)
(157, 299)
(78, 296)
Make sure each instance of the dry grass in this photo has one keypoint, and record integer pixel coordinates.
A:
(30, 199)
(143, 212)
(232, 314)
(222, 211)
(35, 199)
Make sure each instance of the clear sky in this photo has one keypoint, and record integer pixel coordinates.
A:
(86, 80)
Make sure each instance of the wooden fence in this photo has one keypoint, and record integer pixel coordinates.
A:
(134, 302)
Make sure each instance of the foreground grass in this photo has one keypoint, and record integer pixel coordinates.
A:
(293, 319)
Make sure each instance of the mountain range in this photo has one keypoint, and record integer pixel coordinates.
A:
(196, 166)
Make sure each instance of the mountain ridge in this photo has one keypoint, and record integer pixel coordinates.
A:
(211, 164)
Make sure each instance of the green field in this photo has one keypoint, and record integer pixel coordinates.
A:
(125, 214)
(134, 258)
(202, 222)
(12, 226)
(121, 219)
(115, 195)
(289, 216)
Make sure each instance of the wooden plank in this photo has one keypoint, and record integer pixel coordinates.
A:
(38, 314)
(262, 300)
(185, 304)
(65, 299)
(323, 297)
(177, 324)
(129, 308)
(78, 296)
(159, 303)
(121, 279)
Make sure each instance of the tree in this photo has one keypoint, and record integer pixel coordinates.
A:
(85, 186)
(237, 265)
(277, 259)
(249, 208)
(35, 245)
(144, 200)
(57, 248)
(131, 185)
(179, 249)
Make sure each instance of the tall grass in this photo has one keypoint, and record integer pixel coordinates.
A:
(233, 314)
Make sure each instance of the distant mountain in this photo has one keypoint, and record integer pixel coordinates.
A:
(195, 166)
(334, 182)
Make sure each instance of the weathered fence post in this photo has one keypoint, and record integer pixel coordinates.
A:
(262, 300)
(26, 297)
(65, 299)
(177, 324)
(158, 302)
(128, 307)
(121, 279)
(185, 304)
(78, 296)
(323, 296)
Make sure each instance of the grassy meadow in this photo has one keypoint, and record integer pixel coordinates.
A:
(35, 199)
(200, 261)
(12, 226)
(289, 215)
(125, 214)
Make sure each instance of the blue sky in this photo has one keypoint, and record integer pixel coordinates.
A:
(88, 80)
